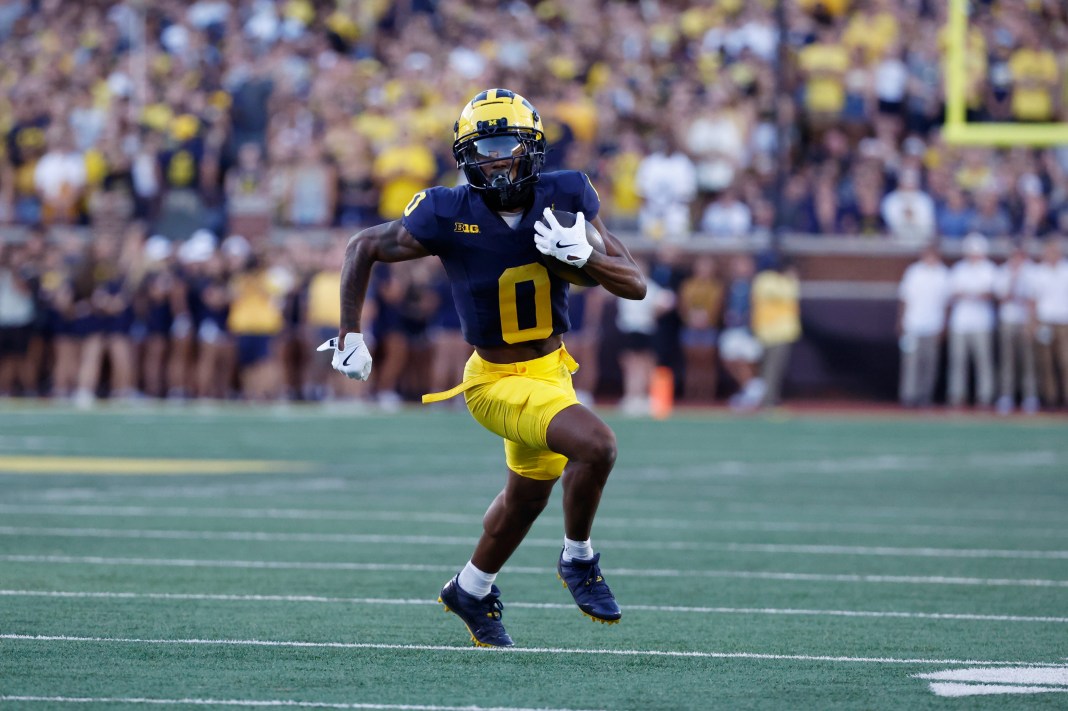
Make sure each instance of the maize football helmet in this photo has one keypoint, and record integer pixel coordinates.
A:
(500, 146)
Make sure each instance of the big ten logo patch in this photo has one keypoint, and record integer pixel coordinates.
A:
(466, 228)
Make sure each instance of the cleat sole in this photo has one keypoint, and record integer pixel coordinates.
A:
(469, 632)
(595, 619)
(598, 619)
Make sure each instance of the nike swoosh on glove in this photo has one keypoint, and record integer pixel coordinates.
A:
(568, 244)
(353, 360)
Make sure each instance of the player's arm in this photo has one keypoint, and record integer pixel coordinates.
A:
(388, 242)
(615, 270)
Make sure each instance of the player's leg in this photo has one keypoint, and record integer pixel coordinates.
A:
(471, 594)
(508, 520)
(590, 447)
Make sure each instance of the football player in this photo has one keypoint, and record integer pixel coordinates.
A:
(497, 238)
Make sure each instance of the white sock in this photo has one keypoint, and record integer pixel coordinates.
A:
(474, 582)
(583, 550)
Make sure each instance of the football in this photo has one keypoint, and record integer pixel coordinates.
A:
(574, 275)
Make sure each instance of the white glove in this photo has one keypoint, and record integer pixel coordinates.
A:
(354, 360)
(568, 244)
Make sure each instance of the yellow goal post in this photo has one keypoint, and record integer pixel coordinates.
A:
(957, 129)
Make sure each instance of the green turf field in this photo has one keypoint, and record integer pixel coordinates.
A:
(293, 556)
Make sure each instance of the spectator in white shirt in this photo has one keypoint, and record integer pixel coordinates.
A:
(971, 323)
(909, 212)
(1016, 352)
(891, 82)
(1050, 284)
(716, 139)
(636, 321)
(923, 295)
(727, 216)
(667, 183)
(60, 178)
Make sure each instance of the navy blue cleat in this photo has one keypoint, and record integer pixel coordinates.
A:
(482, 617)
(583, 578)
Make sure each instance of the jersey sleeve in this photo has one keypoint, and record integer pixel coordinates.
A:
(589, 200)
(575, 193)
(421, 220)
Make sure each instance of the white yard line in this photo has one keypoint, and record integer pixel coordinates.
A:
(1002, 675)
(292, 644)
(690, 610)
(451, 569)
(988, 680)
(259, 703)
(953, 689)
(378, 539)
(290, 514)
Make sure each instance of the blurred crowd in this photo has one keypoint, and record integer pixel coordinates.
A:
(235, 115)
(177, 134)
(142, 317)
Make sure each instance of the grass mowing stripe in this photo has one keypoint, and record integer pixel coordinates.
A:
(520, 650)
(339, 486)
(366, 538)
(246, 513)
(646, 572)
(123, 466)
(956, 616)
(892, 512)
(262, 703)
(472, 519)
(852, 466)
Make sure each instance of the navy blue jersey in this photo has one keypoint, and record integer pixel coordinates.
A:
(503, 292)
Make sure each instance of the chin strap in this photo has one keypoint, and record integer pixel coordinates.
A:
(519, 198)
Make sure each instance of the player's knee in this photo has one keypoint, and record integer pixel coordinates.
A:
(515, 509)
(601, 448)
(530, 508)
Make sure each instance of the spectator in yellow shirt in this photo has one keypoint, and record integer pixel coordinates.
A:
(321, 318)
(700, 308)
(824, 64)
(776, 302)
(873, 28)
(621, 173)
(1034, 81)
(401, 170)
(255, 320)
(832, 8)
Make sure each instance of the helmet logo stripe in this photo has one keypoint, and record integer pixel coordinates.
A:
(505, 173)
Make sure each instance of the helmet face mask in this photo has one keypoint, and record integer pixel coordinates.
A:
(500, 147)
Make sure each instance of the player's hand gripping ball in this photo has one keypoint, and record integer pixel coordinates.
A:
(568, 241)
(353, 360)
